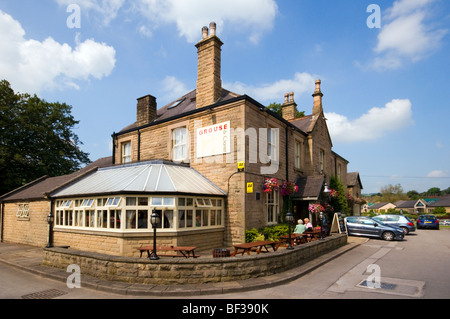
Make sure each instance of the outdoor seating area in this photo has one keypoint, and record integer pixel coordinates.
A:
(170, 251)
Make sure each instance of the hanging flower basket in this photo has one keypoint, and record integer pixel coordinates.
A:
(333, 193)
(288, 188)
(316, 208)
(270, 185)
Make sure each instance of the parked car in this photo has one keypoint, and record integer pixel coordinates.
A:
(397, 220)
(366, 226)
(427, 221)
(445, 222)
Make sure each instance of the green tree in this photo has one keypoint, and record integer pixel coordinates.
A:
(278, 109)
(413, 194)
(434, 191)
(392, 193)
(36, 139)
(339, 203)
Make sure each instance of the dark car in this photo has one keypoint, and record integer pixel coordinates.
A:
(366, 226)
(427, 221)
(397, 220)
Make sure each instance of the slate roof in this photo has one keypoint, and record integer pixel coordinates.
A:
(353, 179)
(406, 204)
(441, 202)
(309, 187)
(378, 205)
(187, 103)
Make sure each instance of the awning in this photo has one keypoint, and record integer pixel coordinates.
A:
(309, 187)
(149, 177)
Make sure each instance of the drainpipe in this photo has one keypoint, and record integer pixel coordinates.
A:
(2, 209)
(287, 154)
(139, 146)
(113, 148)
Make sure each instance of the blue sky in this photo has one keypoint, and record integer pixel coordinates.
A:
(386, 90)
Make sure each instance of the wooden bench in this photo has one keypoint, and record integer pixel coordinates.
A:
(255, 246)
(180, 251)
(295, 238)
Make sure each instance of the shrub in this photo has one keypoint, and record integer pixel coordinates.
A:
(272, 233)
(439, 210)
(251, 234)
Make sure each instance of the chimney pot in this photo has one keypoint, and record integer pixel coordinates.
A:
(212, 27)
(286, 98)
(204, 32)
(291, 95)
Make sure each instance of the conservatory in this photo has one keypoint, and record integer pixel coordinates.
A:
(112, 207)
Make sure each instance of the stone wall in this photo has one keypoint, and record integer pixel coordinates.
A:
(125, 244)
(32, 230)
(171, 271)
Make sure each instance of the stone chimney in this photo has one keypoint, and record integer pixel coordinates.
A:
(146, 110)
(289, 107)
(317, 108)
(209, 82)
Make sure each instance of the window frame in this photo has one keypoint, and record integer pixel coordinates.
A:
(126, 152)
(178, 144)
(272, 207)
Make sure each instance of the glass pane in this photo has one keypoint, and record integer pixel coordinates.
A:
(142, 219)
(131, 219)
(205, 214)
(212, 215)
(189, 218)
(181, 201)
(168, 219)
(219, 217)
(181, 218)
(157, 201)
(169, 201)
(131, 201)
(189, 202)
(143, 201)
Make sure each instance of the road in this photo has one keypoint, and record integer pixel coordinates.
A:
(415, 268)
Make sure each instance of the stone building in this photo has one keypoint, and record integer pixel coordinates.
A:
(200, 162)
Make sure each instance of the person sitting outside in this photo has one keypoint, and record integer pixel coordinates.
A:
(308, 225)
(300, 228)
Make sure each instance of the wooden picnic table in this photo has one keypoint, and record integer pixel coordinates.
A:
(179, 251)
(314, 234)
(255, 246)
(295, 238)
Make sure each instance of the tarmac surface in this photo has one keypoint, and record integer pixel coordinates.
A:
(29, 258)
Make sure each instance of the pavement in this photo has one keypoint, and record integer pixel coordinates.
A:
(29, 259)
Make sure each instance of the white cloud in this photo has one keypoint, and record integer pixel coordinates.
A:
(378, 122)
(407, 35)
(107, 9)
(437, 174)
(32, 66)
(172, 88)
(255, 17)
(270, 92)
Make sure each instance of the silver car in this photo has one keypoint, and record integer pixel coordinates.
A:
(366, 226)
(397, 220)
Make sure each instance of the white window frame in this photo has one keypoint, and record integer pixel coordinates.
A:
(298, 154)
(272, 143)
(23, 211)
(179, 144)
(272, 207)
(126, 152)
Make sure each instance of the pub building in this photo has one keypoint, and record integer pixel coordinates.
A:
(202, 163)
